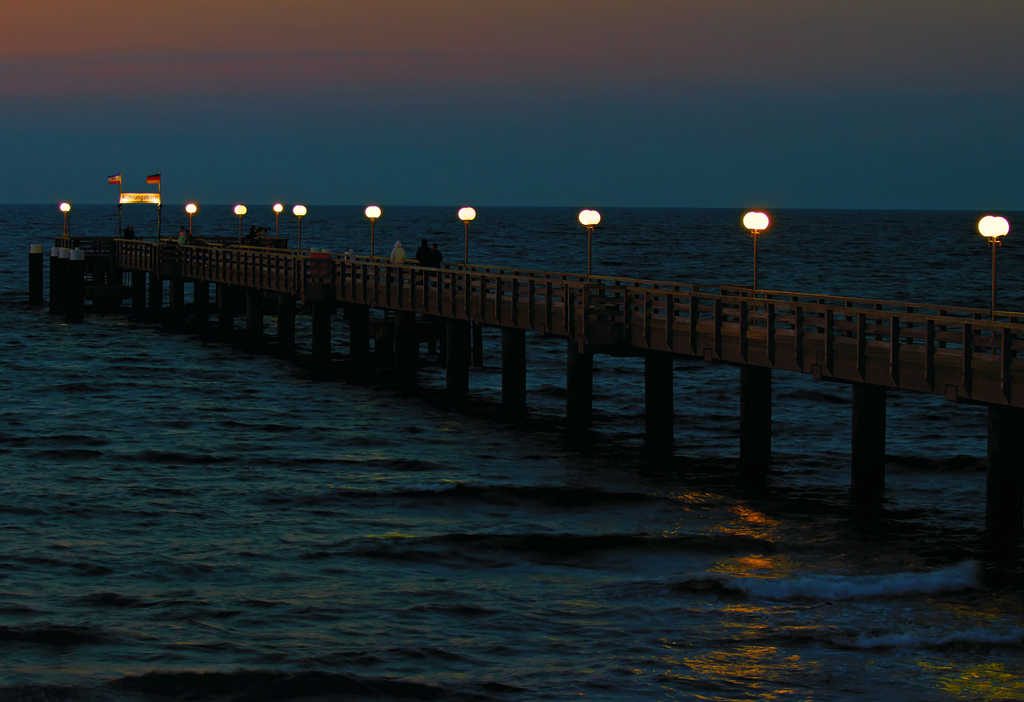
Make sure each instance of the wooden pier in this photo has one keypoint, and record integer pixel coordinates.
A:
(965, 355)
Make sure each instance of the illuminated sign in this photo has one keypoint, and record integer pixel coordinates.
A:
(136, 198)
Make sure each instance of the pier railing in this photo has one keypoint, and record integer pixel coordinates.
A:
(963, 353)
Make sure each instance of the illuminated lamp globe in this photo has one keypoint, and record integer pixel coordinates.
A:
(373, 212)
(467, 214)
(993, 227)
(240, 210)
(190, 208)
(588, 218)
(65, 207)
(755, 221)
(299, 210)
(279, 208)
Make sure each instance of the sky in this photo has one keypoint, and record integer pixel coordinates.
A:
(915, 104)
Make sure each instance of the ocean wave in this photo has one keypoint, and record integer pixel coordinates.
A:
(256, 686)
(832, 588)
(973, 639)
(53, 634)
(549, 547)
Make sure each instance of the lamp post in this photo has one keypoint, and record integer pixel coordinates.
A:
(191, 209)
(300, 212)
(992, 228)
(467, 215)
(65, 208)
(278, 209)
(373, 212)
(589, 218)
(756, 222)
(240, 210)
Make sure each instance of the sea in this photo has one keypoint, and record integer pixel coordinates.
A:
(183, 518)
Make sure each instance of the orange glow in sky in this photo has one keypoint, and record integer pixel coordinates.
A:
(112, 45)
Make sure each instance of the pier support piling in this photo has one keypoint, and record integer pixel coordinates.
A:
(76, 286)
(35, 275)
(658, 403)
(177, 300)
(513, 372)
(59, 303)
(201, 305)
(1004, 491)
(322, 332)
(867, 450)
(138, 292)
(478, 345)
(457, 335)
(254, 314)
(579, 388)
(406, 348)
(285, 323)
(225, 310)
(54, 258)
(156, 296)
(755, 418)
(358, 337)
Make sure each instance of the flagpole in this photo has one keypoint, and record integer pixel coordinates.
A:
(120, 190)
(160, 207)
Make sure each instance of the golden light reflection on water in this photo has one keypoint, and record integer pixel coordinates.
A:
(766, 670)
(995, 680)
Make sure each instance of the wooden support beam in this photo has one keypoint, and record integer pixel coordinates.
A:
(75, 308)
(579, 388)
(658, 403)
(1004, 505)
(138, 292)
(478, 345)
(156, 297)
(35, 275)
(54, 280)
(358, 337)
(285, 324)
(177, 300)
(513, 371)
(201, 305)
(406, 348)
(254, 313)
(321, 331)
(225, 310)
(755, 418)
(867, 450)
(456, 358)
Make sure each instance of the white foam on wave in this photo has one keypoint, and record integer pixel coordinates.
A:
(963, 576)
(989, 637)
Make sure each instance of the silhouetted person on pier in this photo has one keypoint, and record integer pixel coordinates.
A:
(436, 256)
(398, 253)
(129, 233)
(184, 237)
(423, 253)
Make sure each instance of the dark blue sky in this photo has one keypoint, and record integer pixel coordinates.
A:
(658, 103)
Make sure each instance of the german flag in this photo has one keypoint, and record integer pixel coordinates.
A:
(155, 178)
